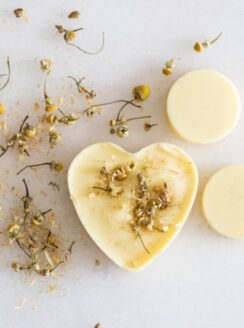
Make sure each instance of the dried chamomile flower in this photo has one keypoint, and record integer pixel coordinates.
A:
(54, 137)
(141, 92)
(200, 46)
(45, 64)
(13, 230)
(70, 35)
(74, 14)
(98, 325)
(57, 166)
(19, 12)
(50, 106)
(122, 131)
(29, 131)
(169, 66)
(148, 126)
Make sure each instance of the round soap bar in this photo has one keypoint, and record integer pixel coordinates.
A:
(223, 201)
(203, 106)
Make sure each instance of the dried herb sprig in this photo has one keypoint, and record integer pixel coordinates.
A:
(65, 119)
(33, 235)
(20, 139)
(57, 166)
(200, 46)
(70, 35)
(90, 94)
(50, 106)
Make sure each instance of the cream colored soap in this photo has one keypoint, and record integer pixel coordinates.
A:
(107, 217)
(223, 201)
(203, 106)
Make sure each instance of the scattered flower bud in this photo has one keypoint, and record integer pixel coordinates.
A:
(30, 131)
(19, 12)
(122, 131)
(69, 36)
(45, 64)
(74, 14)
(141, 92)
(13, 230)
(54, 138)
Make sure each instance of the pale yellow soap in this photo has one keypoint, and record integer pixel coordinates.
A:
(203, 106)
(106, 217)
(223, 201)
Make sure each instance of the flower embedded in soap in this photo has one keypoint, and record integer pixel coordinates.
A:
(148, 202)
(70, 35)
(111, 179)
(200, 46)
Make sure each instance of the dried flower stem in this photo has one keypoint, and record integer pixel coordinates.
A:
(110, 103)
(9, 73)
(85, 51)
(143, 244)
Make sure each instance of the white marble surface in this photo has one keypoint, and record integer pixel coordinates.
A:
(198, 281)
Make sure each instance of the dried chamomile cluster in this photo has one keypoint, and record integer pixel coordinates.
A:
(54, 119)
(148, 201)
(31, 232)
(71, 34)
(110, 180)
(21, 140)
(119, 125)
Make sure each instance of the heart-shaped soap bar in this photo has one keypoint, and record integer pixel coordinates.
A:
(132, 205)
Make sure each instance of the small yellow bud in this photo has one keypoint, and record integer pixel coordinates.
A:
(58, 167)
(2, 109)
(122, 131)
(51, 108)
(167, 71)
(198, 47)
(74, 14)
(112, 123)
(30, 131)
(141, 92)
(52, 119)
(13, 230)
(69, 36)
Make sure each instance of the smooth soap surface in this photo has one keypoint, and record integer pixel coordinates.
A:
(203, 106)
(223, 201)
(106, 218)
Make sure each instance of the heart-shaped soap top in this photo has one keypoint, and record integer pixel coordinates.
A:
(132, 205)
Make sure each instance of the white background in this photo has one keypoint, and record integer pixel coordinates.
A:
(198, 281)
